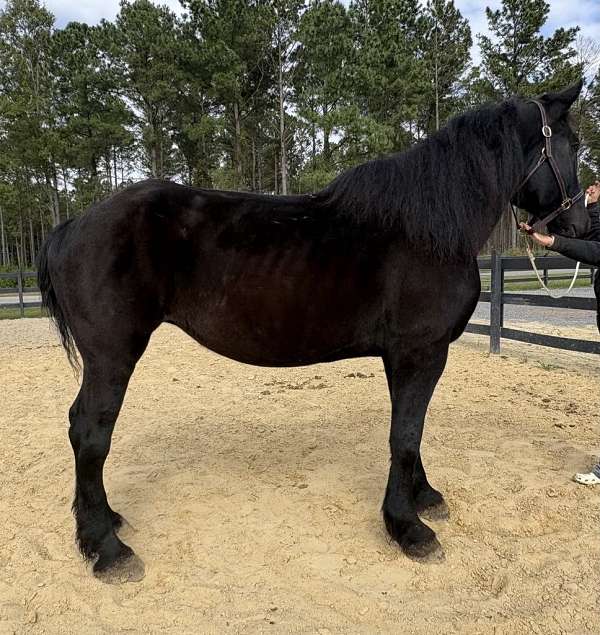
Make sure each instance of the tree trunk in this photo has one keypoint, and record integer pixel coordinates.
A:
(237, 146)
(66, 191)
(154, 161)
(53, 201)
(161, 156)
(253, 164)
(326, 145)
(3, 238)
(17, 253)
(108, 170)
(116, 180)
(42, 227)
(22, 246)
(282, 124)
(31, 244)
(55, 195)
(437, 88)
(275, 174)
(259, 168)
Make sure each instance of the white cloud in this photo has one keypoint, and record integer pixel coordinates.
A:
(563, 13)
(90, 11)
(474, 11)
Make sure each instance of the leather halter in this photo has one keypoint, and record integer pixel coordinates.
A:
(546, 155)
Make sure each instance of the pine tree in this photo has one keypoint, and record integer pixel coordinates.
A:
(389, 79)
(589, 131)
(236, 38)
(445, 48)
(30, 142)
(146, 52)
(519, 59)
(322, 81)
(94, 118)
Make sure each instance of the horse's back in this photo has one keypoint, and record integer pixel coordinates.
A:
(262, 279)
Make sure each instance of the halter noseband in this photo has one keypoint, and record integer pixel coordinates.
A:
(546, 155)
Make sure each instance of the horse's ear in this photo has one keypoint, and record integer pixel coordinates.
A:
(559, 103)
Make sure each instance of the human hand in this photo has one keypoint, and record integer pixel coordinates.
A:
(593, 192)
(540, 239)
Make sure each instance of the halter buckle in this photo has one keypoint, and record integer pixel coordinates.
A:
(546, 131)
(566, 204)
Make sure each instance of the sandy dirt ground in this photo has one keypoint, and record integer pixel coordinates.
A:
(253, 496)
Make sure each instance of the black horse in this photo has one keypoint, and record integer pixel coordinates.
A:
(382, 262)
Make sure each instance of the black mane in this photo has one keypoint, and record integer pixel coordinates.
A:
(444, 193)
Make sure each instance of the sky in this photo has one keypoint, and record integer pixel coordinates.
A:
(563, 13)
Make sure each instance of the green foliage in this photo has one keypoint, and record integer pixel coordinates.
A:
(145, 49)
(389, 78)
(589, 129)
(445, 50)
(263, 95)
(519, 59)
(322, 81)
(94, 118)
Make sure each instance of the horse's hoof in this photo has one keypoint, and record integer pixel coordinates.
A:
(425, 552)
(128, 569)
(439, 511)
(417, 540)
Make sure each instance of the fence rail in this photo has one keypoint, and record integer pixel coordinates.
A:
(497, 297)
(20, 289)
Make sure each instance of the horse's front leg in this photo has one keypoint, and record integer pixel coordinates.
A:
(412, 378)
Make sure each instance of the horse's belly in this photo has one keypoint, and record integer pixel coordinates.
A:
(281, 323)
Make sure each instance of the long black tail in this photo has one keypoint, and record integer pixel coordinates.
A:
(49, 300)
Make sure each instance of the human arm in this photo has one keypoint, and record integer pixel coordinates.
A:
(585, 251)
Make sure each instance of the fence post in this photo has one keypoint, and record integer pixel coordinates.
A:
(496, 308)
(545, 275)
(20, 283)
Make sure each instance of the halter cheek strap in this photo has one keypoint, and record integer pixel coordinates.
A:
(546, 155)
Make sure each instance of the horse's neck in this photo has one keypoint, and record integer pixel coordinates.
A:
(503, 188)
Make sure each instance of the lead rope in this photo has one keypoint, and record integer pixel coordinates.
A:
(553, 294)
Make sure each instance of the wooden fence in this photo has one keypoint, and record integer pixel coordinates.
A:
(20, 288)
(496, 296)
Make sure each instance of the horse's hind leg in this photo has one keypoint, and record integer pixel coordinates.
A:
(412, 379)
(92, 418)
(430, 503)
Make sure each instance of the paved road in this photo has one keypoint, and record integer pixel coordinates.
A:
(584, 273)
(13, 299)
(556, 317)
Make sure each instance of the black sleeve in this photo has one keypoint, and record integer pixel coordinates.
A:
(585, 251)
(594, 212)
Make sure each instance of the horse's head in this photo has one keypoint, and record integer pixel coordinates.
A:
(550, 190)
